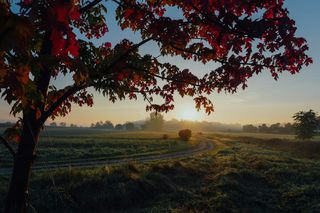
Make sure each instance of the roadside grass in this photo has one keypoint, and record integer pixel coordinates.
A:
(68, 145)
(241, 175)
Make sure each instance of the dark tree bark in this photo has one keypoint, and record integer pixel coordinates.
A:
(17, 197)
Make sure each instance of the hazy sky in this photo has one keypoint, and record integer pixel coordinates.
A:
(264, 101)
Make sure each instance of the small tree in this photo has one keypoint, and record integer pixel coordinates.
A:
(119, 127)
(185, 134)
(63, 124)
(155, 122)
(306, 124)
(249, 128)
(53, 124)
(129, 126)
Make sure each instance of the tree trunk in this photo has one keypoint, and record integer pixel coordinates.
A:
(18, 190)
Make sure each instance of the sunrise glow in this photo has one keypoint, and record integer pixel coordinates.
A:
(190, 114)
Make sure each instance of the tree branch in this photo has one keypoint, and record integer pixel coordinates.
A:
(164, 78)
(128, 52)
(222, 61)
(5, 142)
(89, 6)
(72, 90)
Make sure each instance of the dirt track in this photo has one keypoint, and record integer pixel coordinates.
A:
(204, 146)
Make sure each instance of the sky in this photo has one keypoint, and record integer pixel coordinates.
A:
(264, 101)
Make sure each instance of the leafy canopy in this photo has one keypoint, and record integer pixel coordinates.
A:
(41, 39)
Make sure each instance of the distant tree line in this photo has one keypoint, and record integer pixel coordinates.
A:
(129, 126)
(306, 125)
(6, 124)
(276, 128)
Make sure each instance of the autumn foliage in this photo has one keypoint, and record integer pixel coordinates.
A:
(41, 39)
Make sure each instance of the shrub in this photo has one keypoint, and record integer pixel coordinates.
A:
(185, 134)
(165, 136)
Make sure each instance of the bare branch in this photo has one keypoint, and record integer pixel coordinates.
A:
(89, 6)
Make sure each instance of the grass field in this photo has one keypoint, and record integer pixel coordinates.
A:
(242, 174)
(263, 135)
(69, 145)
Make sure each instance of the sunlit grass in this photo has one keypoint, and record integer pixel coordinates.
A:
(264, 135)
(69, 145)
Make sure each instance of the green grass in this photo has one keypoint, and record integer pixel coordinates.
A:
(67, 145)
(243, 174)
(264, 135)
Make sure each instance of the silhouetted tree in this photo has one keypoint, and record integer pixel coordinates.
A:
(63, 124)
(155, 122)
(119, 127)
(185, 134)
(264, 128)
(288, 128)
(249, 128)
(129, 126)
(275, 128)
(102, 125)
(306, 124)
(53, 124)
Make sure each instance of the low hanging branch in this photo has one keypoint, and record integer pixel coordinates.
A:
(6, 144)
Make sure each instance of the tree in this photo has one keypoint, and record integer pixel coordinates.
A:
(275, 128)
(129, 126)
(185, 134)
(155, 122)
(53, 124)
(73, 125)
(38, 42)
(264, 128)
(306, 124)
(63, 124)
(249, 128)
(288, 128)
(119, 127)
(108, 125)
(103, 125)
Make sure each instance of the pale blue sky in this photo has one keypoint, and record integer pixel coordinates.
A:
(265, 100)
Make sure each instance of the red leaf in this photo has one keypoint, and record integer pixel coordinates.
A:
(120, 76)
(128, 13)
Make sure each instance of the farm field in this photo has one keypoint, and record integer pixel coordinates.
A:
(241, 174)
(63, 145)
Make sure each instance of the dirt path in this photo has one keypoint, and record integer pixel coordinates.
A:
(204, 146)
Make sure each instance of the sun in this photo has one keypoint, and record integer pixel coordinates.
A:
(189, 114)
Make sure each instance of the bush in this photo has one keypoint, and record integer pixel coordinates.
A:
(185, 134)
(165, 136)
